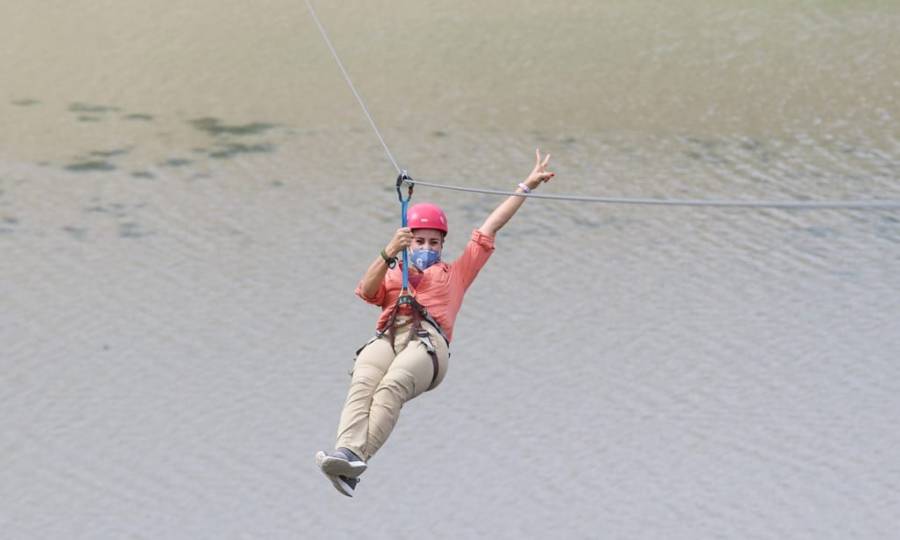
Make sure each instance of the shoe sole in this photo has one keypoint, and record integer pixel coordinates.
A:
(339, 485)
(339, 467)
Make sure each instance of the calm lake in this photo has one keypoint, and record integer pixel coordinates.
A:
(189, 193)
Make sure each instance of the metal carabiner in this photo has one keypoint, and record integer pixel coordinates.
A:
(403, 177)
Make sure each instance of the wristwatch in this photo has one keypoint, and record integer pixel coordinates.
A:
(390, 261)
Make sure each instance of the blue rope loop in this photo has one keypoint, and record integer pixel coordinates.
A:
(404, 205)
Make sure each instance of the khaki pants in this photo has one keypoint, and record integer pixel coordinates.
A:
(384, 378)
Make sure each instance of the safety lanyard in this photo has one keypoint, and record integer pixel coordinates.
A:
(404, 204)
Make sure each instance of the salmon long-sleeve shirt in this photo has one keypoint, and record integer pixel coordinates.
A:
(441, 288)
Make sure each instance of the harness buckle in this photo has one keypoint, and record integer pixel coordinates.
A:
(425, 338)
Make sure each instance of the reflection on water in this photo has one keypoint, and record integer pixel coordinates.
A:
(87, 108)
(25, 102)
(110, 153)
(215, 127)
(175, 162)
(139, 116)
(85, 166)
(223, 145)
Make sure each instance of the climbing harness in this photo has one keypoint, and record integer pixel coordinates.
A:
(419, 315)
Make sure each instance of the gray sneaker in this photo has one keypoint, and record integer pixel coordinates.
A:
(340, 462)
(344, 484)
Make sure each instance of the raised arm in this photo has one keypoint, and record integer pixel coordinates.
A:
(510, 206)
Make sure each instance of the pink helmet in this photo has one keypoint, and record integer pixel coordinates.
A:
(426, 216)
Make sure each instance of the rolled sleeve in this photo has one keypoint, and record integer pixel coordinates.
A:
(378, 299)
(478, 250)
(483, 240)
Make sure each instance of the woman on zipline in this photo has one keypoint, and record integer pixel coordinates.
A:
(409, 352)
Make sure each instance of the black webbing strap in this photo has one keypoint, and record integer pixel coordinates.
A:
(419, 314)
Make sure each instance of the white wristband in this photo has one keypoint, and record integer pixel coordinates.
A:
(524, 187)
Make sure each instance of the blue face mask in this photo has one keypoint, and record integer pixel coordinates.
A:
(423, 258)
